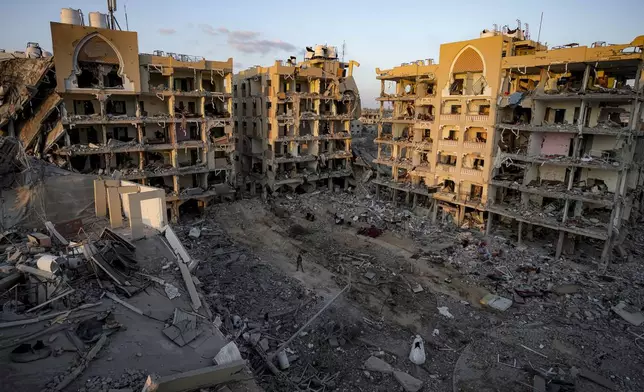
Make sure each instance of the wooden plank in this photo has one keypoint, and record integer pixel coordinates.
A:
(197, 379)
(116, 299)
(83, 365)
(35, 271)
(54, 233)
(49, 316)
(190, 284)
(99, 260)
(66, 293)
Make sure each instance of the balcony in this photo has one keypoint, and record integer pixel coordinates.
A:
(476, 146)
(423, 124)
(450, 118)
(477, 118)
(448, 143)
(425, 101)
(472, 173)
(446, 168)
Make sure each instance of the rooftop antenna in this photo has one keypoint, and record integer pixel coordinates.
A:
(344, 47)
(111, 7)
(540, 23)
(127, 25)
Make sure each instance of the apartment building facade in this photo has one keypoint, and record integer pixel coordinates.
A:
(294, 122)
(570, 147)
(161, 119)
(504, 127)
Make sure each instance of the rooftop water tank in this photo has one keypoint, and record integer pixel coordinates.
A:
(71, 16)
(332, 52)
(319, 51)
(97, 19)
(33, 50)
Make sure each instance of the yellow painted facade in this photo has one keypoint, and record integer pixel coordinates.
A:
(500, 117)
(161, 119)
(294, 123)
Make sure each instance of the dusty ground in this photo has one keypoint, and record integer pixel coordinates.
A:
(249, 251)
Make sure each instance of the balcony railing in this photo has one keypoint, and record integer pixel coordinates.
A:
(474, 145)
(446, 168)
(471, 172)
(425, 101)
(448, 143)
(477, 118)
(450, 118)
(423, 124)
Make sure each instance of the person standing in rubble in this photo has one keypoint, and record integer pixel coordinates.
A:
(299, 262)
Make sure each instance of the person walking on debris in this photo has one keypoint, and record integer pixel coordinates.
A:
(299, 262)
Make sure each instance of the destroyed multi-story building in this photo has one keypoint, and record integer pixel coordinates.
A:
(293, 121)
(505, 127)
(160, 119)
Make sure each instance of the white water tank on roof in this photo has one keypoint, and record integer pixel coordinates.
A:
(33, 50)
(97, 19)
(71, 16)
(319, 51)
(332, 52)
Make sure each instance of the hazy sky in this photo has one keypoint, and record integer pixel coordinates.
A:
(377, 33)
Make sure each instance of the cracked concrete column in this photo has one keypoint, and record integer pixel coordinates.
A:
(488, 226)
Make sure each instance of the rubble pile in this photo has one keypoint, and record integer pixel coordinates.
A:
(261, 309)
(351, 208)
(86, 287)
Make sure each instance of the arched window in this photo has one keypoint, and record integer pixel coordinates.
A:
(97, 63)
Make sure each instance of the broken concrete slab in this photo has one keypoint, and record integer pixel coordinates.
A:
(496, 302)
(194, 233)
(370, 275)
(409, 383)
(636, 318)
(539, 384)
(566, 289)
(597, 379)
(196, 379)
(229, 353)
(376, 364)
(183, 329)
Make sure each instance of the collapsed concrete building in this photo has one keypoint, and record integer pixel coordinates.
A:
(369, 116)
(161, 119)
(293, 122)
(505, 127)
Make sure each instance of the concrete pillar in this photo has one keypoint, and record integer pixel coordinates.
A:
(434, 211)
(519, 233)
(530, 232)
(395, 196)
(252, 188)
(104, 133)
(407, 197)
(11, 129)
(461, 215)
(488, 226)
(174, 212)
(346, 183)
(560, 243)
(415, 201)
(378, 194)
(330, 184)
